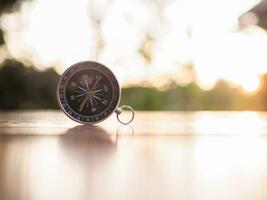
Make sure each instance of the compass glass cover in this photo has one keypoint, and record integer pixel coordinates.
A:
(88, 92)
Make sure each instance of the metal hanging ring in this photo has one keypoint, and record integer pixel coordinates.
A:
(120, 111)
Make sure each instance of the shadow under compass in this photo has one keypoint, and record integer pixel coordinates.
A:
(84, 140)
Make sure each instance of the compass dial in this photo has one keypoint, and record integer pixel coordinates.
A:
(88, 92)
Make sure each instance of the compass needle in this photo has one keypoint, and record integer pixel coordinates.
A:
(81, 88)
(86, 83)
(79, 95)
(79, 91)
(96, 91)
(95, 84)
(94, 100)
(91, 102)
(94, 96)
(84, 102)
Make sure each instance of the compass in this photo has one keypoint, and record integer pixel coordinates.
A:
(88, 92)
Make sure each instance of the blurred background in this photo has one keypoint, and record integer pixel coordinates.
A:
(167, 54)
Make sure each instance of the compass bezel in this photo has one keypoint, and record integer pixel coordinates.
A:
(64, 81)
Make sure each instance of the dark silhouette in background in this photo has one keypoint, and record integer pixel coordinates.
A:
(24, 87)
(191, 97)
(8, 6)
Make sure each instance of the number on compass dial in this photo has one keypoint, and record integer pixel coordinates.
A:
(88, 92)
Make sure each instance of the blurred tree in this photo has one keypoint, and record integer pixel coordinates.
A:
(12, 87)
(191, 97)
(2, 40)
(146, 48)
(7, 6)
(221, 97)
(24, 87)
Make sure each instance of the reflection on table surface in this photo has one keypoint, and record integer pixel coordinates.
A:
(163, 155)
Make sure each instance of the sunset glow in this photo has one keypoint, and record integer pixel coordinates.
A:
(178, 33)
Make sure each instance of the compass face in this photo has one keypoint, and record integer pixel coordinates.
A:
(88, 92)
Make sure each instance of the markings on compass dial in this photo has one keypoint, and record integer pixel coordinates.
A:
(73, 84)
(90, 80)
(85, 81)
(105, 88)
(90, 94)
(72, 97)
(105, 102)
(84, 76)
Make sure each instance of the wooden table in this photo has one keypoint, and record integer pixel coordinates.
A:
(161, 156)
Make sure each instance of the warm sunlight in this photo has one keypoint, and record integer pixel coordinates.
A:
(250, 85)
(151, 46)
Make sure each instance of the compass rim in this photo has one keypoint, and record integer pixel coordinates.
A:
(88, 63)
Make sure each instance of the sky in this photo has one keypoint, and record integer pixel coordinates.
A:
(202, 33)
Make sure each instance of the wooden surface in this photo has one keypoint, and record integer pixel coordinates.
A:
(163, 155)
